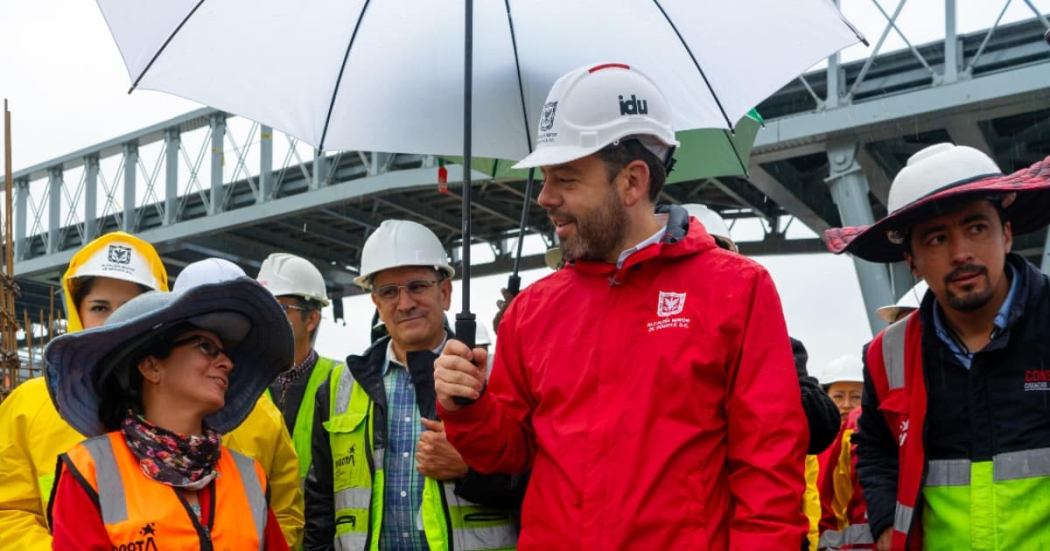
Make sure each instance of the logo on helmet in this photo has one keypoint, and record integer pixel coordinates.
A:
(548, 116)
(119, 254)
(633, 106)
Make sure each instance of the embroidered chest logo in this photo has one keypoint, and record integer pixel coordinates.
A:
(348, 459)
(670, 304)
(1037, 379)
(119, 254)
(904, 433)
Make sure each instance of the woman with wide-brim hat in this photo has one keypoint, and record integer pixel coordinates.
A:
(155, 388)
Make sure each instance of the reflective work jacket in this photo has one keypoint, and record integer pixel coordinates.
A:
(844, 524)
(975, 451)
(449, 521)
(140, 513)
(304, 419)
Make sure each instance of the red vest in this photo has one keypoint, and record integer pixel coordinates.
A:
(140, 513)
(895, 366)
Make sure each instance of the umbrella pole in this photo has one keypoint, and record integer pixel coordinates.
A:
(465, 321)
(514, 281)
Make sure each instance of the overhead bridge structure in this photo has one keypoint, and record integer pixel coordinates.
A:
(209, 183)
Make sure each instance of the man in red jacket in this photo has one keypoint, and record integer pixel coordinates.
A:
(649, 385)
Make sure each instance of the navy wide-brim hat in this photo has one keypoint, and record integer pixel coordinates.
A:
(937, 180)
(243, 314)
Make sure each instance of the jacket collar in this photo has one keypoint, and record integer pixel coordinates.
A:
(683, 237)
(367, 370)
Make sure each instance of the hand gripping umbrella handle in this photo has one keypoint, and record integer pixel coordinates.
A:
(466, 332)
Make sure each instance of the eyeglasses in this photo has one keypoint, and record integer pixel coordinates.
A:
(206, 347)
(416, 288)
(286, 307)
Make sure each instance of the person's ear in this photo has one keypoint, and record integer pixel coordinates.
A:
(150, 370)
(911, 265)
(637, 182)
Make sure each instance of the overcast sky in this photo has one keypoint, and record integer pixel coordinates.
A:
(67, 87)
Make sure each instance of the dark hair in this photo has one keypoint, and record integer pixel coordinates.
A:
(308, 305)
(82, 286)
(618, 155)
(117, 397)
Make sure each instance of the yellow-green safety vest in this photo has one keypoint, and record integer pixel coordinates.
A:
(450, 523)
(302, 432)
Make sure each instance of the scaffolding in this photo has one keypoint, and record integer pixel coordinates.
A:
(10, 363)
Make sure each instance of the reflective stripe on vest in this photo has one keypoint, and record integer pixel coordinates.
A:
(854, 536)
(449, 521)
(138, 512)
(354, 463)
(110, 486)
(1017, 465)
(893, 353)
(896, 380)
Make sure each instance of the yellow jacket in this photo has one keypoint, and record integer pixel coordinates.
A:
(32, 435)
(811, 501)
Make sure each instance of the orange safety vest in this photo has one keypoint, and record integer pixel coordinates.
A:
(895, 366)
(142, 514)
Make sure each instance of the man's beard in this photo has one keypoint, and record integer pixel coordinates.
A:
(599, 231)
(973, 300)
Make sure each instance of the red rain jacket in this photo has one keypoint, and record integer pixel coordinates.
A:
(657, 405)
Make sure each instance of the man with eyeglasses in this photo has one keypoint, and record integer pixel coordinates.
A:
(383, 472)
(300, 289)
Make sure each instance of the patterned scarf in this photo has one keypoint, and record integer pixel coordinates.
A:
(178, 460)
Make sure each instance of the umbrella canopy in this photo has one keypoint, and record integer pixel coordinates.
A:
(388, 75)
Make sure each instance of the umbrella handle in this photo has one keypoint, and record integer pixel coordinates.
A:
(514, 285)
(466, 332)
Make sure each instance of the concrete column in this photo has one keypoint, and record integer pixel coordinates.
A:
(265, 163)
(21, 216)
(172, 142)
(849, 190)
(131, 167)
(218, 139)
(90, 198)
(54, 208)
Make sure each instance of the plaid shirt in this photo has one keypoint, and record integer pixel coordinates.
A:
(403, 495)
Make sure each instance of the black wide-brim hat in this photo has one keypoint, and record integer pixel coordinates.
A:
(243, 314)
(938, 180)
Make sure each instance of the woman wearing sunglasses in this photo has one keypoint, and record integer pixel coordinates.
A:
(155, 388)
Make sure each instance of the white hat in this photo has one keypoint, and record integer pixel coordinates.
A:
(910, 301)
(712, 221)
(598, 105)
(286, 274)
(844, 369)
(209, 270)
(397, 243)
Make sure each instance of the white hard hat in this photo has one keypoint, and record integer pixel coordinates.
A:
(934, 168)
(553, 258)
(844, 369)
(286, 274)
(597, 105)
(209, 270)
(397, 243)
(481, 336)
(712, 221)
(910, 301)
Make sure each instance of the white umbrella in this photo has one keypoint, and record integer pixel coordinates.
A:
(388, 75)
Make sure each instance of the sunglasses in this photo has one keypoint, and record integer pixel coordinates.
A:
(415, 288)
(286, 307)
(205, 346)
